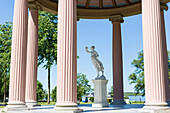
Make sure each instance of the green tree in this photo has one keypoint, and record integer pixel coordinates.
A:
(53, 94)
(82, 85)
(5, 55)
(47, 47)
(112, 90)
(169, 65)
(40, 91)
(137, 77)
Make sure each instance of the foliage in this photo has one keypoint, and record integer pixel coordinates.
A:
(131, 94)
(109, 100)
(5, 56)
(45, 103)
(53, 94)
(91, 99)
(169, 66)
(47, 39)
(47, 45)
(137, 77)
(169, 60)
(126, 97)
(82, 85)
(40, 91)
(111, 90)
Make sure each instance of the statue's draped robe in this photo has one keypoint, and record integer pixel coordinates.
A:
(97, 64)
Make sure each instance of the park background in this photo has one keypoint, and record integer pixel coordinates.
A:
(98, 33)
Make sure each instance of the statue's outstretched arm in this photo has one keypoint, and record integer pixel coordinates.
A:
(87, 50)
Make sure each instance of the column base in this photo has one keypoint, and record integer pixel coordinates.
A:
(62, 108)
(100, 105)
(16, 106)
(31, 104)
(156, 106)
(118, 102)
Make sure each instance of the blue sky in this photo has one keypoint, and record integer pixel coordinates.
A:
(98, 33)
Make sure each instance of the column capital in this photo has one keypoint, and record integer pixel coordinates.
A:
(164, 6)
(34, 5)
(116, 18)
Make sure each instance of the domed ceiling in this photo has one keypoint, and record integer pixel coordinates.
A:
(96, 9)
(103, 3)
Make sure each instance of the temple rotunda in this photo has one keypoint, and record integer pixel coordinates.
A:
(24, 55)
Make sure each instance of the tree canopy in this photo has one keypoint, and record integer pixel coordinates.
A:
(5, 56)
(47, 43)
(137, 77)
(41, 93)
(82, 85)
(54, 94)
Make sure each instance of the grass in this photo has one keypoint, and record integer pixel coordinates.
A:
(53, 103)
(131, 94)
(2, 107)
(45, 103)
(86, 103)
(3, 103)
(137, 102)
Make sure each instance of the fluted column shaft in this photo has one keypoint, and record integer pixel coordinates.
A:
(32, 57)
(18, 54)
(67, 54)
(117, 63)
(153, 54)
(165, 55)
(118, 96)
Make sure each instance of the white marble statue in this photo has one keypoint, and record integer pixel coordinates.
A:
(97, 64)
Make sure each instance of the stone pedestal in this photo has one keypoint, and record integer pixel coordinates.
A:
(100, 93)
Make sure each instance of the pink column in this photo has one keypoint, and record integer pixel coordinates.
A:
(18, 57)
(153, 55)
(32, 58)
(165, 55)
(118, 96)
(67, 56)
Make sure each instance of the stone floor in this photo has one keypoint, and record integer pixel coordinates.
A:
(88, 109)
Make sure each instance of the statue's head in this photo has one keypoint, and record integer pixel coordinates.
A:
(92, 48)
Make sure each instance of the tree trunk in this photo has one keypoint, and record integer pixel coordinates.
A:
(49, 85)
(5, 85)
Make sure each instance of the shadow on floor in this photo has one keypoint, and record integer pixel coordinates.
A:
(111, 107)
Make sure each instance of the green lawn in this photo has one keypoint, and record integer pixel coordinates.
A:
(53, 103)
(136, 102)
(86, 103)
(131, 94)
(2, 106)
(3, 103)
(45, 103)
